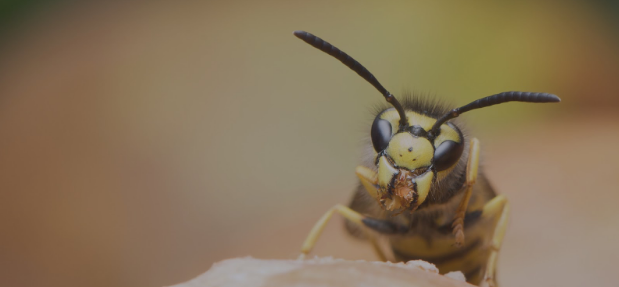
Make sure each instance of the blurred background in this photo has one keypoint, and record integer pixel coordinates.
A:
(142, 141)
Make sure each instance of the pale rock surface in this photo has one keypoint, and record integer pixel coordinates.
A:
(323, 272)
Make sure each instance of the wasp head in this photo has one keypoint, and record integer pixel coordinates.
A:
(409, 157)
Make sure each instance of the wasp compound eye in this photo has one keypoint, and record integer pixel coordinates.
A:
(447, 154)
(381, 134)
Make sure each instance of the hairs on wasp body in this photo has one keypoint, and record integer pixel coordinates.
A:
(424, 187)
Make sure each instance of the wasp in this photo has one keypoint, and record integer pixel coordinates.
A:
(424, 190)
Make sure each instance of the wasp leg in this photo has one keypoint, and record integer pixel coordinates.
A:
(471, 177)
(369, 179)
(496, 210)
(347, 213)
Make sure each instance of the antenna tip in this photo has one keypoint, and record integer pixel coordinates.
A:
(553, 98)
(299, 33)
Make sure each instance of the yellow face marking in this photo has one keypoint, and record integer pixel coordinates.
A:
(385, 172)
(423, 185)
(447, 133)
(409, 151)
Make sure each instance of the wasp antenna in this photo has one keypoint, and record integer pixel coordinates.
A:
(494, 100)
(347, 60)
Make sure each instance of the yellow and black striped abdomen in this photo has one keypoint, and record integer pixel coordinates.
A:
(440, 250)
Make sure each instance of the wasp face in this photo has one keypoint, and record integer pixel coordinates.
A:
(409, 159)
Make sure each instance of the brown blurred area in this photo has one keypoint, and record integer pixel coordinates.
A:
(142, 141)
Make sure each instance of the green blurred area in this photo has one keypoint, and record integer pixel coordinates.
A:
(12, 10)
(144, 140)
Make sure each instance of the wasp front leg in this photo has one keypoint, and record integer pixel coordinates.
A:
(351, 216)
(496, 211)
(369, 180)
(471, 177)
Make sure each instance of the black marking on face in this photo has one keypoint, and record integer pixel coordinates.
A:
(391, 184)
(418, 131)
